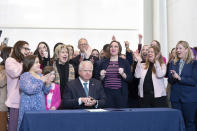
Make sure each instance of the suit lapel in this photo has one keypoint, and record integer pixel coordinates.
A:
(184, 69)
(91, 88)
(80, 88)
(177, 67)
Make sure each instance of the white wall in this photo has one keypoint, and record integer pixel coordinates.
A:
(182, 22)
(148, 21)
(69, 20)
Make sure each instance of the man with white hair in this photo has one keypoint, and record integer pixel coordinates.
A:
(85, 54)
(84, 91)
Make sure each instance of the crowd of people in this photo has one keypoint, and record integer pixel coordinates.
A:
(71, 79)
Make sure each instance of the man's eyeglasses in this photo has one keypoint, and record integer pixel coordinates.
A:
(83, 44)
(87, 71)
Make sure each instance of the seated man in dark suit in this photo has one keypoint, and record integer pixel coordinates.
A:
(84, 91)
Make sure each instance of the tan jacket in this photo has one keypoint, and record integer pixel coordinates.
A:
(3, 89)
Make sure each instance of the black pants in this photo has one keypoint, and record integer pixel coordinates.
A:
(114, 98)
(149, 101)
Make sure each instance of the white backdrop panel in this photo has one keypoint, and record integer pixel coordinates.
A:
(121, 14)
(96, 38)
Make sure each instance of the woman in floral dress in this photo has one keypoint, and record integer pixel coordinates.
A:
(33, 86)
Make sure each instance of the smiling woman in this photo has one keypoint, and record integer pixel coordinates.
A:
(183, 80)
(33, 86)
(64, 71)
(14, 68)
(115, 73)
(151, 87)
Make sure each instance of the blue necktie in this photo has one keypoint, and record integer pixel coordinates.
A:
(181, 64)
(85, 88)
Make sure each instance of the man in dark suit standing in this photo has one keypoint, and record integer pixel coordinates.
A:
(84, 91)
(85, 54)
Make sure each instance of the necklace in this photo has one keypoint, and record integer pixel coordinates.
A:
(34, 75)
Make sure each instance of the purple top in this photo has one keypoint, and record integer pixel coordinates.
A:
(112, 77)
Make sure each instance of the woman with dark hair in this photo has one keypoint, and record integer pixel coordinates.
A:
(115, 73)
(43, 53)
(33, 86)
(183, 79)
(5, 52)
(95, 53)
(13, 67)
(53, 99)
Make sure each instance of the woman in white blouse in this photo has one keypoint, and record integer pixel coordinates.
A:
(151, 74)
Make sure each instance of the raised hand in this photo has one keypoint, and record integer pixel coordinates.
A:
(88, 51)
(140, 38)
(113, 38)
(137, 56)
(126, 44)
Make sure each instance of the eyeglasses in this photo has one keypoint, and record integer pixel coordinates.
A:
(27, 49)
(83, 44)
(87, 71)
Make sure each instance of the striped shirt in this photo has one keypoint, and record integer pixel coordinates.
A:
(112, 77)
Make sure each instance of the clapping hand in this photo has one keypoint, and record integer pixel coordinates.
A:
(46, 79)
(175, 75)
(88, 101)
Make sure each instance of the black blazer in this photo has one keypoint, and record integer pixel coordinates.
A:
(76, 61)
(74, 91)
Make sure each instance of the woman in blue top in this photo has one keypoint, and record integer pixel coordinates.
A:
(33, 86)
(183, 79)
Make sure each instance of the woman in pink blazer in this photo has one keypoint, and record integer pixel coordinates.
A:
(151, 74)
(14, 67)
(53, 99)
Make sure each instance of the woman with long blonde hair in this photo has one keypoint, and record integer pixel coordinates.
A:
(183, 78)
(151, 74)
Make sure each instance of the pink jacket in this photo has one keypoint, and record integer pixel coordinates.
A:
(13, 72)
(56, 98)
(158, 78)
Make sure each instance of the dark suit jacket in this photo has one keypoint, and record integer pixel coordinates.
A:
(74, 91)
(76, 61)
(184, 90)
